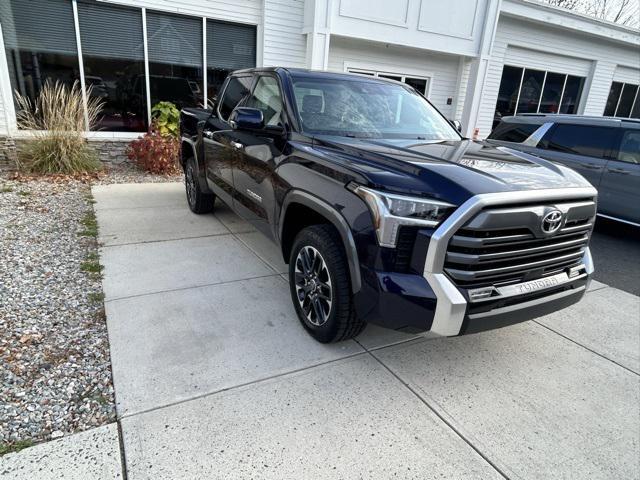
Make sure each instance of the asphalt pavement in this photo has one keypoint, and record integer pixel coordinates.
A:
(615, 247)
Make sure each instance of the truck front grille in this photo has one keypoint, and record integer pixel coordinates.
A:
(500, 246)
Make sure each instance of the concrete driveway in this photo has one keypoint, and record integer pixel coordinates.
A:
(215, 377)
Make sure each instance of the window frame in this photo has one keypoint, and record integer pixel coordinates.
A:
(636, 99)
(256, 78)
(403, 76)
(8, 95)
(225, 85)
(544, 82)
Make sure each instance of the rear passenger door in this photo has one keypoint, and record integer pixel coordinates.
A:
(584, 148)
(620, 186)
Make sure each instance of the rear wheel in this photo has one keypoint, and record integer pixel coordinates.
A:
(320, 286)
(199, 201)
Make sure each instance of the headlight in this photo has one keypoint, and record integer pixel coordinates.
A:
(390, 211)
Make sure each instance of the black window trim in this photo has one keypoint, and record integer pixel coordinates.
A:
(223, 90)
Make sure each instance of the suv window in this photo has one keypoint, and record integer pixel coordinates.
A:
(513, 132)
(237, 89)
(630, 147)
(266, 98)
(579, 140)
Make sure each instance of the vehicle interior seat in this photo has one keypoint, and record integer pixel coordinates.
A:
(312, 110)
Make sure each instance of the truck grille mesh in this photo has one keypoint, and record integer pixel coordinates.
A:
(478, 257)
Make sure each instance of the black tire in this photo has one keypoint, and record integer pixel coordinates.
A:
(337, 320)
(199, 201)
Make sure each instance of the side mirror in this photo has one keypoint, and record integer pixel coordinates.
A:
(457, 125)
(243, 118)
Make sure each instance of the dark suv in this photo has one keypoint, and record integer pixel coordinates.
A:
(606, 151)
(384, 213)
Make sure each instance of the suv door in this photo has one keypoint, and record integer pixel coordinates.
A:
(259, 154)
(218, 152)
(619, 192)
(584, 148)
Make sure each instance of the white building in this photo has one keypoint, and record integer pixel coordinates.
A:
(474, 59)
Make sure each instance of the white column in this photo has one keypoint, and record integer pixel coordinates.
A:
(317, 27)
(478, 71)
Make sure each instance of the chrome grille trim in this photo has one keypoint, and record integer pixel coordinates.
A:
(451, 304)
(533, 255)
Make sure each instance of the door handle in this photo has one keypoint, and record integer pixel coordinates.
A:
(592, 166)
(619, 170)
(237, 145)
(207, 133)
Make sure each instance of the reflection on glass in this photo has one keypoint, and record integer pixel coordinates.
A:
(39, 47)
(113, 55)
(508, 94)
(390, 77)
(530, 91)
(552, 93)
(572, 93)
(175, 59)
(635, 112)
(612, 100)
(229, 47)
(420, 84)
(626, 100)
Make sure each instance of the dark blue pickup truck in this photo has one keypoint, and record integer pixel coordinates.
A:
(384, 213)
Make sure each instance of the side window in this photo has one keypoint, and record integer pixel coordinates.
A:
(237, 89)
(513, 132)
(630, 147)
(266, 98)
(579, 140)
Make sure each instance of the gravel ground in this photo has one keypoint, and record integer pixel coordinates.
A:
(55, 370)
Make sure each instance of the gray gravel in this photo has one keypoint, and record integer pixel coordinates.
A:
(55, 370)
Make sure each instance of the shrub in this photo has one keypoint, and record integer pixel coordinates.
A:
(58, 122)
(155, 153)
(166, 118)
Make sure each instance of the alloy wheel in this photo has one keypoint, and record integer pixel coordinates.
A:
(313, 285)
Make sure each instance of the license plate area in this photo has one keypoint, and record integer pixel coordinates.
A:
(524, 288)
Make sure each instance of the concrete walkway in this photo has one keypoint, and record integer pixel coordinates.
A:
(215, 377)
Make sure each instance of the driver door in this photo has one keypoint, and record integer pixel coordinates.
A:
(259, 153)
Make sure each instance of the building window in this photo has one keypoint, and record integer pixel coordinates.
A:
(40, 43)
(229, 47)
(113, 57)
(174, 44)
(526, 90)
(40, 40)
(421, 84)
(623, 101)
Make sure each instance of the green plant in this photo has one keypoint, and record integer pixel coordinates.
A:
(91, 264)
(14, 447)
(6, 189)
(90, 225)
(57, 121)
(166, 119)
(96, 297)
(155, 153)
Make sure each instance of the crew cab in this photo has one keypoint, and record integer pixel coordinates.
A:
(384, 213)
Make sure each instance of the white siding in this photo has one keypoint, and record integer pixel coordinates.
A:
(442, 69)
(284, 43)
(463, 84)
(627, 75)
(3, 117)
(557, 50)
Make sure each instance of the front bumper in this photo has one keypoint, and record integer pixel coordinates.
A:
(432, 302)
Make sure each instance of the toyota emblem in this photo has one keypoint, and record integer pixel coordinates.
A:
(552, 221)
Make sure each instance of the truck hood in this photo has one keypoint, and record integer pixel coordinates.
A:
(448, 170)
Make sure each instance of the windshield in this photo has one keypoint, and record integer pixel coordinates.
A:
(360, 108)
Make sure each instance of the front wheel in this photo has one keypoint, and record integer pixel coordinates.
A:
(199, 201)
(320, 286)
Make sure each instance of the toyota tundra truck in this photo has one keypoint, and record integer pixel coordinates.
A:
(383, 211)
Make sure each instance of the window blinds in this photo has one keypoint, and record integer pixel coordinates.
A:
(173, 39)
(38, 26)
(230, 46)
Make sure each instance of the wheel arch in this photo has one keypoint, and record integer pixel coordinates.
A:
(188, 149)
(319, 209)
